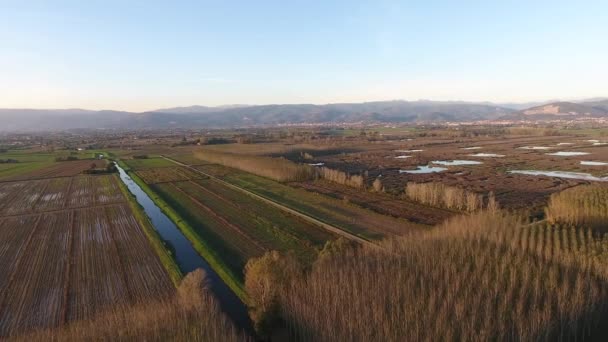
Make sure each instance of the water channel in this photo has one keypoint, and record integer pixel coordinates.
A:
(186, 256)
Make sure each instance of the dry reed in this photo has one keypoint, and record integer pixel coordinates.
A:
(488, 276)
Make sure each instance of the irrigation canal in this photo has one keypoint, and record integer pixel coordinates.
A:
(186, 256)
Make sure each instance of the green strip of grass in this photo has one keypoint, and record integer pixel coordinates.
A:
(165, 255)
(202, 246)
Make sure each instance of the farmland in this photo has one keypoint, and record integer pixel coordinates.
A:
(70, 248)
(240, 227)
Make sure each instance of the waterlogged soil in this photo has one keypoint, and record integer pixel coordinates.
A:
(512, 190)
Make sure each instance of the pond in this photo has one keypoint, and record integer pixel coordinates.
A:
(472, 148)
(402, 157)
(407, 151)
(561, 174)
(593, 163)
(424, 169)
(456, 162)
(568, 154)
(534, 148)
(186, 256)
(487, 155)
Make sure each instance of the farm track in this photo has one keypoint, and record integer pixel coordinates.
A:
(282, 207)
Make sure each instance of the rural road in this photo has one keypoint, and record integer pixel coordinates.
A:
(297, 213)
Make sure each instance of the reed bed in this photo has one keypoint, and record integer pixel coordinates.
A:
(487, 276)
(278, 169)
(445, 196)
(585, 205)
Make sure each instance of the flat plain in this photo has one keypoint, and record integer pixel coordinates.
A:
(70, 248)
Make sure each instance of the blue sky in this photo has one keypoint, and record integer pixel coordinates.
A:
(141, 55)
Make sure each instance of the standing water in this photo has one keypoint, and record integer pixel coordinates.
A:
(187, 258)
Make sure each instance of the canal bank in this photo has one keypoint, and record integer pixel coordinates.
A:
(187, 257)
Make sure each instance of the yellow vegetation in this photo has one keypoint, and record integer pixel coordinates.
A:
(488, 276)
(341, 177)
(278, 169)
(451, 197)
(585, 205)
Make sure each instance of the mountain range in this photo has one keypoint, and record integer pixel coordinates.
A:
(258, 115)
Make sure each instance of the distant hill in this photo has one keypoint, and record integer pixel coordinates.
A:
(246, 115)
(560, 110)
(243, 116)
(601, 104)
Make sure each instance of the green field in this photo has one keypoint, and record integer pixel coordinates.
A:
(140, 164)
(238, 226)
(356, 220)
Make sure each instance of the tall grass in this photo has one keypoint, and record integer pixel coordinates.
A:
(451, 197)
(341, 177)
(192, 315)
(585, 205)
(278, 169)
(488, 276)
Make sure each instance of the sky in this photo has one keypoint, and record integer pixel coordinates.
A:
(145, 55)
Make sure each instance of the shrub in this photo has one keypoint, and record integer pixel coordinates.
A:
(264, 279)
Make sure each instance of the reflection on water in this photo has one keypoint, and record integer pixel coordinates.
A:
(593, 163)
(456, 162)
(424, 169)
(488, 155)
(568, 153)
(186, 256)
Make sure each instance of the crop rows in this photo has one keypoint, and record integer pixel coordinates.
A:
(267, 226)
(67, 265)
(244, 227)
(35, 196)
(351, 218)
(167, 174)
(59, 169)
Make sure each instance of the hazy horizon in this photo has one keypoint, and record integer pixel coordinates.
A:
(506, 103)
(116, 56)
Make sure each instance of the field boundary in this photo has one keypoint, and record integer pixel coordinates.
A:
(292, 211)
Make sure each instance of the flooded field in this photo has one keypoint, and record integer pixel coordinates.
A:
(487, 155)
(424, 169)
(456, 162)
(561, 174)
(568, 154)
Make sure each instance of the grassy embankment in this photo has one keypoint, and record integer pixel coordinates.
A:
(165, 255)
(201, 245)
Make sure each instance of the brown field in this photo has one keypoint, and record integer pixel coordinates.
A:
(70, 248)
(60, 169)
(22, 197)
(167, 175)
